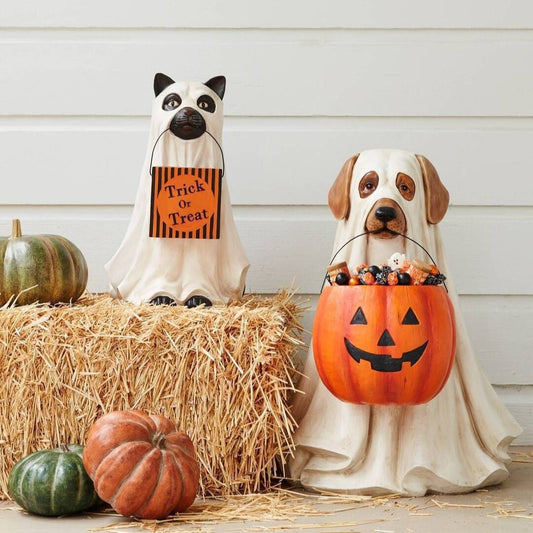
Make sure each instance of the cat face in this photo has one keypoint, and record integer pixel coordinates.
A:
(189, 107)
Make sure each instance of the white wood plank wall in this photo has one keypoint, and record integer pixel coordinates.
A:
(309, 84)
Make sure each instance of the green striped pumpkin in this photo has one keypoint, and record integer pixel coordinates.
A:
(40, 268)
(53, 482)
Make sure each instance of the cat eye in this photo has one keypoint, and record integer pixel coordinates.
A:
(206, 103)
(171, 102)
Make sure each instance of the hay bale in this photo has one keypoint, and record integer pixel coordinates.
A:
(223, 374)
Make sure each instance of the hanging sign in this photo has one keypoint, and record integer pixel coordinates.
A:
(185, 203)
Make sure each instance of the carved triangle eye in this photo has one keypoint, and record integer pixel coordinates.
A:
(359, 317)
(410, 318)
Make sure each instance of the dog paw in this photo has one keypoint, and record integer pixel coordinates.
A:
(195, 301)
(162, 300)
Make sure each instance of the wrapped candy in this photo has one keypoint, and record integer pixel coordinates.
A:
(398, 270)
(398, 261)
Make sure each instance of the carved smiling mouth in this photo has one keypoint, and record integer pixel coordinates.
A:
(384, 362)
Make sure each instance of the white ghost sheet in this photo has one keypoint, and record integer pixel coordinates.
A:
(146, 267)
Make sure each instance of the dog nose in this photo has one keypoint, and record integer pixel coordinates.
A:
(385, 214)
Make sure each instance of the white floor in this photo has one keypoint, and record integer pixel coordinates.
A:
(505, 508)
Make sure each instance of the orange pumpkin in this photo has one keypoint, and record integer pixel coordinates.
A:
(141, 465)
(384, 344)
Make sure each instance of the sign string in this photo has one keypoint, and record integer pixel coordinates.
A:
(208, 133)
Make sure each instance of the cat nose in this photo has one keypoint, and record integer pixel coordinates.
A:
(385, 214)
(188, 124)
(189, 111)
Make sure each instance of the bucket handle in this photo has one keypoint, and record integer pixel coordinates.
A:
(326, 277)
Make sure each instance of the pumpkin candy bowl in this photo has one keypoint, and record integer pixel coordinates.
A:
(384, 345)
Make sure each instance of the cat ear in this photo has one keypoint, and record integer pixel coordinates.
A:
(161, 82)
(217, 84)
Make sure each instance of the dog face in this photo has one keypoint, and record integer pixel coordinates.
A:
(386, 183)
(189, 108)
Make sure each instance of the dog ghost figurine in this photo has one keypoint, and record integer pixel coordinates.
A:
(457, 442)
(182, 246)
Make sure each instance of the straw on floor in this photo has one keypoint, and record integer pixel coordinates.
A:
(222, 374)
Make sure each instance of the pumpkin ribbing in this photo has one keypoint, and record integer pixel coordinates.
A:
(141, 465)
(52, 482)
(44, 268)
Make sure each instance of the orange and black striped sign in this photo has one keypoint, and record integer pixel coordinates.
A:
(185, 203)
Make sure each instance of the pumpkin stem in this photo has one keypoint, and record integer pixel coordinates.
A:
(64, 447)
(16, 230)
(158, 440)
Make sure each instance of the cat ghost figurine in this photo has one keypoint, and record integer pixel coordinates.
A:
(181, 246)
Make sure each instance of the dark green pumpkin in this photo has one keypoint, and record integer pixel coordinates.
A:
(53, 482)
(40, 268)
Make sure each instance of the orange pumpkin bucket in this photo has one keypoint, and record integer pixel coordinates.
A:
(384, 344)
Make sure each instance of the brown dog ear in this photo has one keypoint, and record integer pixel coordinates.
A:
(437, 196)
(339, 194)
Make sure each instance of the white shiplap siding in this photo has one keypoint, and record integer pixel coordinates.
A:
(309, 84)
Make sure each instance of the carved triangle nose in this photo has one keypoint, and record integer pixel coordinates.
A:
(386, 339)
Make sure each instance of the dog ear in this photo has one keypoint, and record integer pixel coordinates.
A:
(217, 84)
(161, 82)
(339, 194)
(437, 196)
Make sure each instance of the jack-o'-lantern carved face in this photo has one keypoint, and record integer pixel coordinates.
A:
(384, 362)
(384, 344)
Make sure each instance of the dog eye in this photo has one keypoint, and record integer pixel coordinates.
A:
(171, 102)
(368, 184)
(206, 103)
(405, 185)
